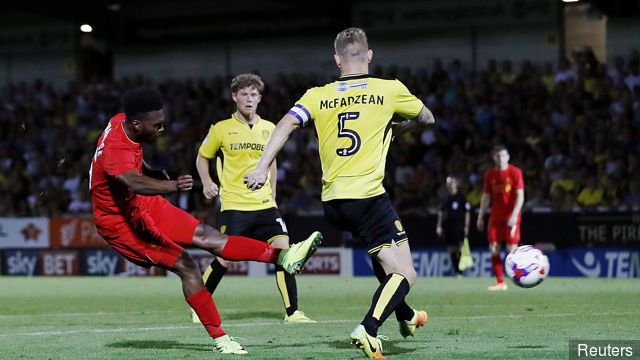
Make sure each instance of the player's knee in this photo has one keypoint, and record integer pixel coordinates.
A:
(185, 266)
(410, 274)
(226, 263)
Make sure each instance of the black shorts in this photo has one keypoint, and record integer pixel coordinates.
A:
(263, 225)
(453, 234)
(373, 219)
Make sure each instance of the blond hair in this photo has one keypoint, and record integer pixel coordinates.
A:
(351, 43)
(246, 80)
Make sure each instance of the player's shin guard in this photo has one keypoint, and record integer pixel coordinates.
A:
(403, 310)
(213, 275)
(386, 299)
(288, 289)
(243, 248)
(202, 303)
(496, 264)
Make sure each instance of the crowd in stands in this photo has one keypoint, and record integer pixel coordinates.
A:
(573, 130)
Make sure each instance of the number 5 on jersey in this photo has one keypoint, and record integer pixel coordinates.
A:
(348, 133)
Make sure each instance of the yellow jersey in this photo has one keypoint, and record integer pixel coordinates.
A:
(237, 147)
(352, 117)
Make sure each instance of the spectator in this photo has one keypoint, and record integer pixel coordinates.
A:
(592, 194)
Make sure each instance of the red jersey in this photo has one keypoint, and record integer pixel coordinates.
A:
(113, 202)
(502, 186)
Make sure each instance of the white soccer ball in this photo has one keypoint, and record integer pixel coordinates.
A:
(527, 266)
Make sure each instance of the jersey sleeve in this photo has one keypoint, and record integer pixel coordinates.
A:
(407, 105)
(210, 144)
(118, 160)
(303, 109)
(518, 180)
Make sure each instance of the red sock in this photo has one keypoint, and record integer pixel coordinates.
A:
(243, 248)
(496, 264)
(202, 304)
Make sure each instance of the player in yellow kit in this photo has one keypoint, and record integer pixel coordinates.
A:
(352, 117)
(237, 144)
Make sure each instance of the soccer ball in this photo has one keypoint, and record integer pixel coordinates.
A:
(527, 266)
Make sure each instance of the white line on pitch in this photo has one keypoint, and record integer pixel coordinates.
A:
(271, 323)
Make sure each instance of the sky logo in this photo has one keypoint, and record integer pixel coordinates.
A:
(591, 267)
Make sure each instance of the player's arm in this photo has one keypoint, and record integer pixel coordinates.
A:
(256, 178)
(273, 177)
(160, 174)
(209, 188)
(517, 207)
(484, 205)
(467, 221)
(425, 117)
(439, 223)
(144, 185)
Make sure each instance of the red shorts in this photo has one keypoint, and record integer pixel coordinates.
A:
(153, 235)
(499, 231)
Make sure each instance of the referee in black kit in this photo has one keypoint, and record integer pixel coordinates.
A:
(453, 221)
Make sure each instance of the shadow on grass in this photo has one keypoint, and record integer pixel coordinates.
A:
(240, 315)
(388, 347)
(159, 344)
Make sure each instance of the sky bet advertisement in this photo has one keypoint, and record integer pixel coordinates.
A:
(70, 262)
(608, 263)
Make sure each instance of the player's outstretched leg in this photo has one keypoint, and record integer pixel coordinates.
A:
(293, 259)
(212, 277)
(243, 248)
(202, 303)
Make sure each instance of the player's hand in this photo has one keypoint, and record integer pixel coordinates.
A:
(400, 128)
(480, 223)
(255, 179)
(513, 221)
(439, 230)
(184, 183)
(430, 119)
(210, 189)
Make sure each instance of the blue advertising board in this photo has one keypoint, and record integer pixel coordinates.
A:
(586, 262)
(20, 262)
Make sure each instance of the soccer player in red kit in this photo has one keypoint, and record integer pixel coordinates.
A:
(147, 230)
(504, 188)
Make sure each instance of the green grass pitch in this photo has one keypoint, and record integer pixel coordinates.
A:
(147, 318)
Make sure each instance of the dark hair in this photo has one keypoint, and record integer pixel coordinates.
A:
(140, 101)
(246, 80)
(497, 148)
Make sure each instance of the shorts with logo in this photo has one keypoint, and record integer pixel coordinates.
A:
(264, 225)
(154, 234)
(373, 219)
(497, 231)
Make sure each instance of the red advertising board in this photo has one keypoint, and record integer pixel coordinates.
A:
(59, 263)
(324, 263)
(74, 232)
